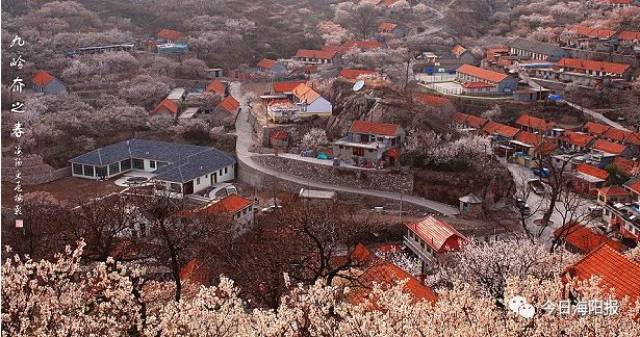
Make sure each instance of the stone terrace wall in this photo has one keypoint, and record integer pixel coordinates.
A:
(373, 180)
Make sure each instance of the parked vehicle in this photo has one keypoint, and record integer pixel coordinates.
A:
(541, 172)
(537, 186)
(525, 210)
(595, 211)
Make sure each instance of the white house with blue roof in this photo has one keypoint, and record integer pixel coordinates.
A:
(178, 169)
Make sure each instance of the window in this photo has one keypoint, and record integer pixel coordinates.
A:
(226, 169)
(220, 172)
(357, 151)
(101, 171)
(77, 169)
(197, 181)
(152, 163)
(138, 164)
(114, 168)
(125, 164)
(88, 170)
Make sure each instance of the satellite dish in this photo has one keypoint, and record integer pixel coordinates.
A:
(358, 85)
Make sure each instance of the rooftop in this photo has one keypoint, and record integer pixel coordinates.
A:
(436, 233)
(481, 73)
(382, 129)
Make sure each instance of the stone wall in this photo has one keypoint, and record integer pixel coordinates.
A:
(369, 179)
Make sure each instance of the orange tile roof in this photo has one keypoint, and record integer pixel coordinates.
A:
(627, 166)
(528, 138)
(169, 105)
(534, 122)
(366, 127)
(267, 63)
(355, 73)
(500, 129)
(481, 73)
(585, 239)
(476, 122)
(316, 54)
(629, 35)
(364, 45)
(613, 191)
(387, 275)
(195, 271)
(216, 86)
(607, 67)
(229, 104)
(432, 100)
(596, 128)
(633, 185)
(592, 171)
(305, 94)
(288, 86)
(41, 78)
(435, 233)
(616, 135)
(614, 270)
(169, 34)
(608, 147)
(229, 205)
(387, 27)
(577, 138)
(592, 32)
(458, 50)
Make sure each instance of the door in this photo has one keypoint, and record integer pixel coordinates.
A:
(214, 178)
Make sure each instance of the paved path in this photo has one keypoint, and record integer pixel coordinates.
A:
(245, 139)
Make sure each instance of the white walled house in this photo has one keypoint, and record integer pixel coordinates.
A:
(239, 209)
(309, 102)
(177, 169)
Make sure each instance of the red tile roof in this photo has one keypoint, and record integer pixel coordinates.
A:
(229, 205)
(534, 122)
(476, 122)
(387, 275)
(387, 27)
(438, 234)
(458, 50)
(585, 239)
(608, 147)
(432, 100)
(613, 191)
(267, 63)
(633, 185)
(629, 35)
(592, 171)
(168, 105)
(592, 32)
(366, 127)
(577, 138)
(169, 34)
(229, 104)
(607, 67)
(316, 54)
(500, 129)
(41, 78)
(481, 73)
(614, 270)
(596, 128)
(528, 138)
(627, 166)
(355, 73)
(616, 135)
(195, 271)
(282, 87)
(217, 87)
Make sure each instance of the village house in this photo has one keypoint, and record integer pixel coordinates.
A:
(46, 84)
(285, 87)
(501, 137)
(217, 87)
(229, 105)
(588, 178)
(468, 123)
(431, 238)
(575, 142)
(281, 111)
(532, 146)
(308, 56)
(169, 36)
(463, 54)
(595, 129)
(574, 69)
(613, 269)
(610, 196)
(628, 166)
(370, 143)
(535, 50)
(580, 239)
(603, 149)
(272, 66)
(236, 207)
(177, 95)
(535, 125)
(477, 80)
(176, 169)
(622, 136)
(310, 103)
(167, 107)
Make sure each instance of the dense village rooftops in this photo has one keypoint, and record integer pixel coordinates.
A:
(591, 173)
(535, 46)
(608, 147)
(267, 63)
(487, 75)
(169, 34)
(606, 67)
(614, 270)
(436, 233)
(186, 162)
(373, 128)
(315, 54)
(596, 128)
(534, 122)
(585, 239)
(592, 32)
(42, 78)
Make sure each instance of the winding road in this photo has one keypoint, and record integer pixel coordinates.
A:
(244, 131)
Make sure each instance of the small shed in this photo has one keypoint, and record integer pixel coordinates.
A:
(470, 204)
